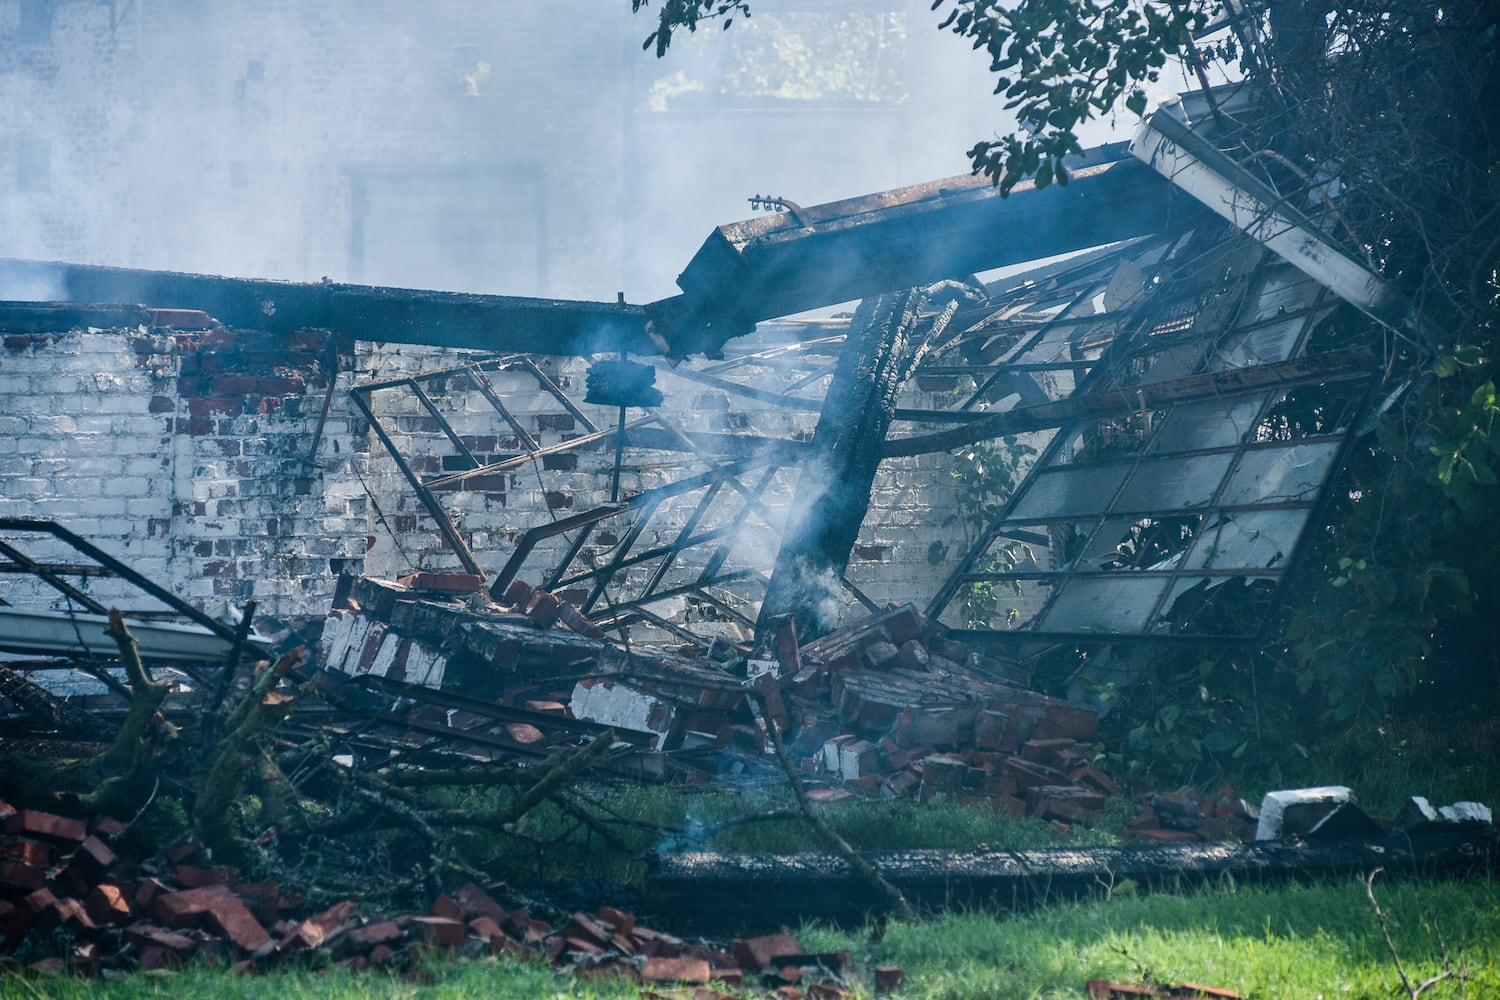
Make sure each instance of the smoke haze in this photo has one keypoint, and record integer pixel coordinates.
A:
(493, 146)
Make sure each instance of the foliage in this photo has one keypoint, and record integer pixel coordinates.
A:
(1059, 63)
(986, 476)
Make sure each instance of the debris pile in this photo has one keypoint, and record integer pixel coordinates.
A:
(60, 874)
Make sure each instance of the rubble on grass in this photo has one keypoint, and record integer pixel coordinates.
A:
(65, 889)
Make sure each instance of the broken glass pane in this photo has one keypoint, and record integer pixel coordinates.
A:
(1214, 423)
(1260, 345)
(1174, 483)
(1260, 539)
(1070, 492)
(1283, 290)
(1233, 607)
(1112, 604)
(1280, 475)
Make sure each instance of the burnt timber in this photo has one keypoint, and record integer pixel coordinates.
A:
(741, 892)
(781, 264)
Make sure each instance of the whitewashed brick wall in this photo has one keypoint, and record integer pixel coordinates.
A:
(189, 456)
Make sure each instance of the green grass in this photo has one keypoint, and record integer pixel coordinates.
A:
(1299, 941)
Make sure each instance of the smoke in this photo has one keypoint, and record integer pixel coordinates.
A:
(528, 149)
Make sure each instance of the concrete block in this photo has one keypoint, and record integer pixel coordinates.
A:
(858, 759)
(616, 704)
(1295, 811)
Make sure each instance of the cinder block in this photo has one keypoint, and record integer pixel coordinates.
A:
(1295, 811)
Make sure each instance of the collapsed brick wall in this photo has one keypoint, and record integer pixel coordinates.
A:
(190, 456)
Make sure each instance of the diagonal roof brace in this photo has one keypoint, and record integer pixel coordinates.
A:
(1168, 144)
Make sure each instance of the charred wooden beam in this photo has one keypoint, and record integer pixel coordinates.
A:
(364, 312)
(733, 893)
(833, 491)
(776, 265)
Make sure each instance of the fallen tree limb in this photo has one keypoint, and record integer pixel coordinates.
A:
(862, 869)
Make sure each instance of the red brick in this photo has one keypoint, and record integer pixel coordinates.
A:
(675, 970)
(581, 925)
(944, 773)
(1044, 751)
(230, 917)
(619, 920)
(577, 622)
(30, 852)
(518, 595)
(543, 610)
(93, 858)
(756, 953)
(486, 929)
(145, 936)
(446, 906)
(181, 910)
(60, 829)
(439, 930)
(1030, 775)
(1088, 774)
(19, 875)
(372, 935)
(107, 905)
(888, 977)
(444, 583)
(106, 827)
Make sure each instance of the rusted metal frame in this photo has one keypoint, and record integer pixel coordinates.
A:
(119, 569)
(457, 735)
(699, 590)
(499, 712)
(333, 378)
(859, 595)
(750, 392)
(442, 482)
(771, 353)
(1039, 366)
(629, 614)
(529, 540)
(670, 551)
(522, 434)
(607, 573)
(753, 504)
(1001, 369)
(61, 569)
(495, 362)
(1306, 315)
(1086, 403)
(808, 379)
(49, 577)
(424, 493)
(555, 581)
(227, 672)
(442, 422)
(1159, 606)
(552, 387)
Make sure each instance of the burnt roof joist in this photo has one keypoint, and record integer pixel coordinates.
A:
(780, 264)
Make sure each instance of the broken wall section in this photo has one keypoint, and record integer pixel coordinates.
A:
(195, 456)
(184, 454)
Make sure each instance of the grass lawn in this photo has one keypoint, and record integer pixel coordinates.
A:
(1287, 942)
